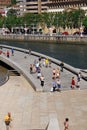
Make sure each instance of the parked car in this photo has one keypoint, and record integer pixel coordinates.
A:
(77, 33)
(65, 33)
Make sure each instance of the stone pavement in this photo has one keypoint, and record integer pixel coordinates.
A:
(32, 110)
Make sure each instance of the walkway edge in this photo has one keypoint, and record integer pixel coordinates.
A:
(26, 74)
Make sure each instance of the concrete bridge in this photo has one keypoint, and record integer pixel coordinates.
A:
(22, 65)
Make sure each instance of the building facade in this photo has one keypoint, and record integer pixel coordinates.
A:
(61, 5)
(3, 4)
(32, 6)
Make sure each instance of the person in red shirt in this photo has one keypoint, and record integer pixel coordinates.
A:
(73, 83)
(8, 53)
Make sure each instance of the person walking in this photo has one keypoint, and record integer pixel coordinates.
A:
(73, 83)
(8, 54)
(66, 124)
(59, 85)
(42, 80)
(12, 51)
(7, 120)
(78, 80)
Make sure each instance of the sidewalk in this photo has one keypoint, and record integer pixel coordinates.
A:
(32, 110)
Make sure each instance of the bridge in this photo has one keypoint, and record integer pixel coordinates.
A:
(21, 63)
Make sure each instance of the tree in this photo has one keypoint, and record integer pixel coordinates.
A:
(12, 12)
(85, 22)
(13, 2)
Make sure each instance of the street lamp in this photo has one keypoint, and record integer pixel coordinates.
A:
(25, 30)
(81, 29)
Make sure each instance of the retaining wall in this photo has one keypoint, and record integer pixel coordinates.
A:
(45, 38)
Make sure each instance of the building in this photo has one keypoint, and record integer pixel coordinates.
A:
(3, 4)
(61, 5)
(32, 6)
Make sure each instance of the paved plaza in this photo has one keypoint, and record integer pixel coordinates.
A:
(33, 110)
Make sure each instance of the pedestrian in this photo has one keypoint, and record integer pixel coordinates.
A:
(12, 51)
(29, 51)
(59, 85)
(42, 80)
(79, 76)
(78, 80)
(58, 73)
(62, 66)
(54, 73)
(46, 62)
(73, 83)
(66, 124)
(31, 68)
(50, 62)
(8, 120)
(8, 54)
(54, 85)
(39, 60)
(43, 62)
(38, 73)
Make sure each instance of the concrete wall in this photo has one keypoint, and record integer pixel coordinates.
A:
(45, 38)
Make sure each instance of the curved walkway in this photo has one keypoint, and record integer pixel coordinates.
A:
(22, 64)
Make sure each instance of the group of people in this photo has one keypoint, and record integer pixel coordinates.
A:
(56, 84)
(7, 53)
(36, 67)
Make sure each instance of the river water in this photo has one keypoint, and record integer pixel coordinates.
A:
(72, 54)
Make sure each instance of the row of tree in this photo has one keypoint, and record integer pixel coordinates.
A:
(70, 19)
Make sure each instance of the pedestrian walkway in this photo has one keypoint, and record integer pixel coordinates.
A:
(35, 110)
(32, 110)
(24, 60)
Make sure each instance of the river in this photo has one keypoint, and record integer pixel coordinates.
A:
(72, 54)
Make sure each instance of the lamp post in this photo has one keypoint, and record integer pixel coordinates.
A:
(57, 25)
(81, 29)
(25, 28)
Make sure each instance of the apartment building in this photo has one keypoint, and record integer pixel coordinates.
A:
(61, 5)
(32, 6)
(5, 2)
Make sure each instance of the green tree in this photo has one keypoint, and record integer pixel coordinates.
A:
(85, 22)
(12, 12)
(13, 2)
